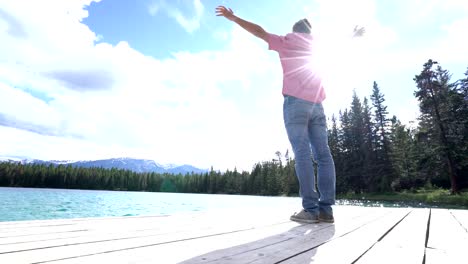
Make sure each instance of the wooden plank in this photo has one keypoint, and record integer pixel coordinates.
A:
(312, 236)
(257, 237)
(206, 225)
(251, 239)
(91, 228)
(27, 235)
(403, 244)
(447, 241)
(349, 247)
(181, 250)
(37, 223)
(167, 246)
(175, 223)
(462, 217)
(21, 229)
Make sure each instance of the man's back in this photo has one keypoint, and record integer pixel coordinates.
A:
(301, 77)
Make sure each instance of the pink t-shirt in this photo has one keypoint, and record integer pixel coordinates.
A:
(301, 77)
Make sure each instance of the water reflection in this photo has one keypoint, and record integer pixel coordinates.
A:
(401, 204)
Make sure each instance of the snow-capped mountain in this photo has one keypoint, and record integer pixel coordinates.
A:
(10, 159)
(136, 165)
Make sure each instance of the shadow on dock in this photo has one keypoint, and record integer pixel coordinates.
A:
(306, 238)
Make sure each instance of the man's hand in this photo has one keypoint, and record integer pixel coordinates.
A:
(254, 29)
(358, 31)
(225, 12)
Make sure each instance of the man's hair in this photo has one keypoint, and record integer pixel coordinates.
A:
(302, 26)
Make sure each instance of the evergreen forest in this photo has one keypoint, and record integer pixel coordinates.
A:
(374, 152)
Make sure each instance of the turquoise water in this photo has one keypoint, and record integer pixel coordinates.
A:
(38, 204)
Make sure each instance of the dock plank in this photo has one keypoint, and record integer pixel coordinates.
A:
(309, 236)
(447, 241)
(261, 235)
(351, 245)
(247, 240)
(462, 217)
(20, 228)
(405, 243)
(172, 253)
(120, 226)
(170, 230)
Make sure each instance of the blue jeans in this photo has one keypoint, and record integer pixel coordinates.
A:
(307, 131)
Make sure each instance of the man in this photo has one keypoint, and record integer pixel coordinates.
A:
(303, 114)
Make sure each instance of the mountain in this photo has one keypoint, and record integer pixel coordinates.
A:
(136, 165)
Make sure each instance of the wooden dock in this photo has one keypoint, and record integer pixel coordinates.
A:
(360, 235)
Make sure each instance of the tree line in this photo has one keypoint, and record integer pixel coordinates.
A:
(377, 153)
(266, 178)
(373, 152)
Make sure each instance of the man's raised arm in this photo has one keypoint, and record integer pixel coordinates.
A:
(255, 29)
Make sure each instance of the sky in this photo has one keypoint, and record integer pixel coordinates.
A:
(169, 81)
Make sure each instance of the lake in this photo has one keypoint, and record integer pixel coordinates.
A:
(39, 204)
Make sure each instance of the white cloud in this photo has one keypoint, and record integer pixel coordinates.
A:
(383, 55)
(420, 12)
(221, 35)
(350, 63)
(29, 144)
(219, 108)
(21, 106)
(109, 101)
(453, 46)
(189, 23)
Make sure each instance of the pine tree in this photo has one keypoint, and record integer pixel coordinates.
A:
(383, 163)
(333, 141)
(403, 155)
(369, 147)
(433, 92)
(357, 145)
(464, 87)
(458, 128)
(344, 181)
(382, 122)
(290, 184)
